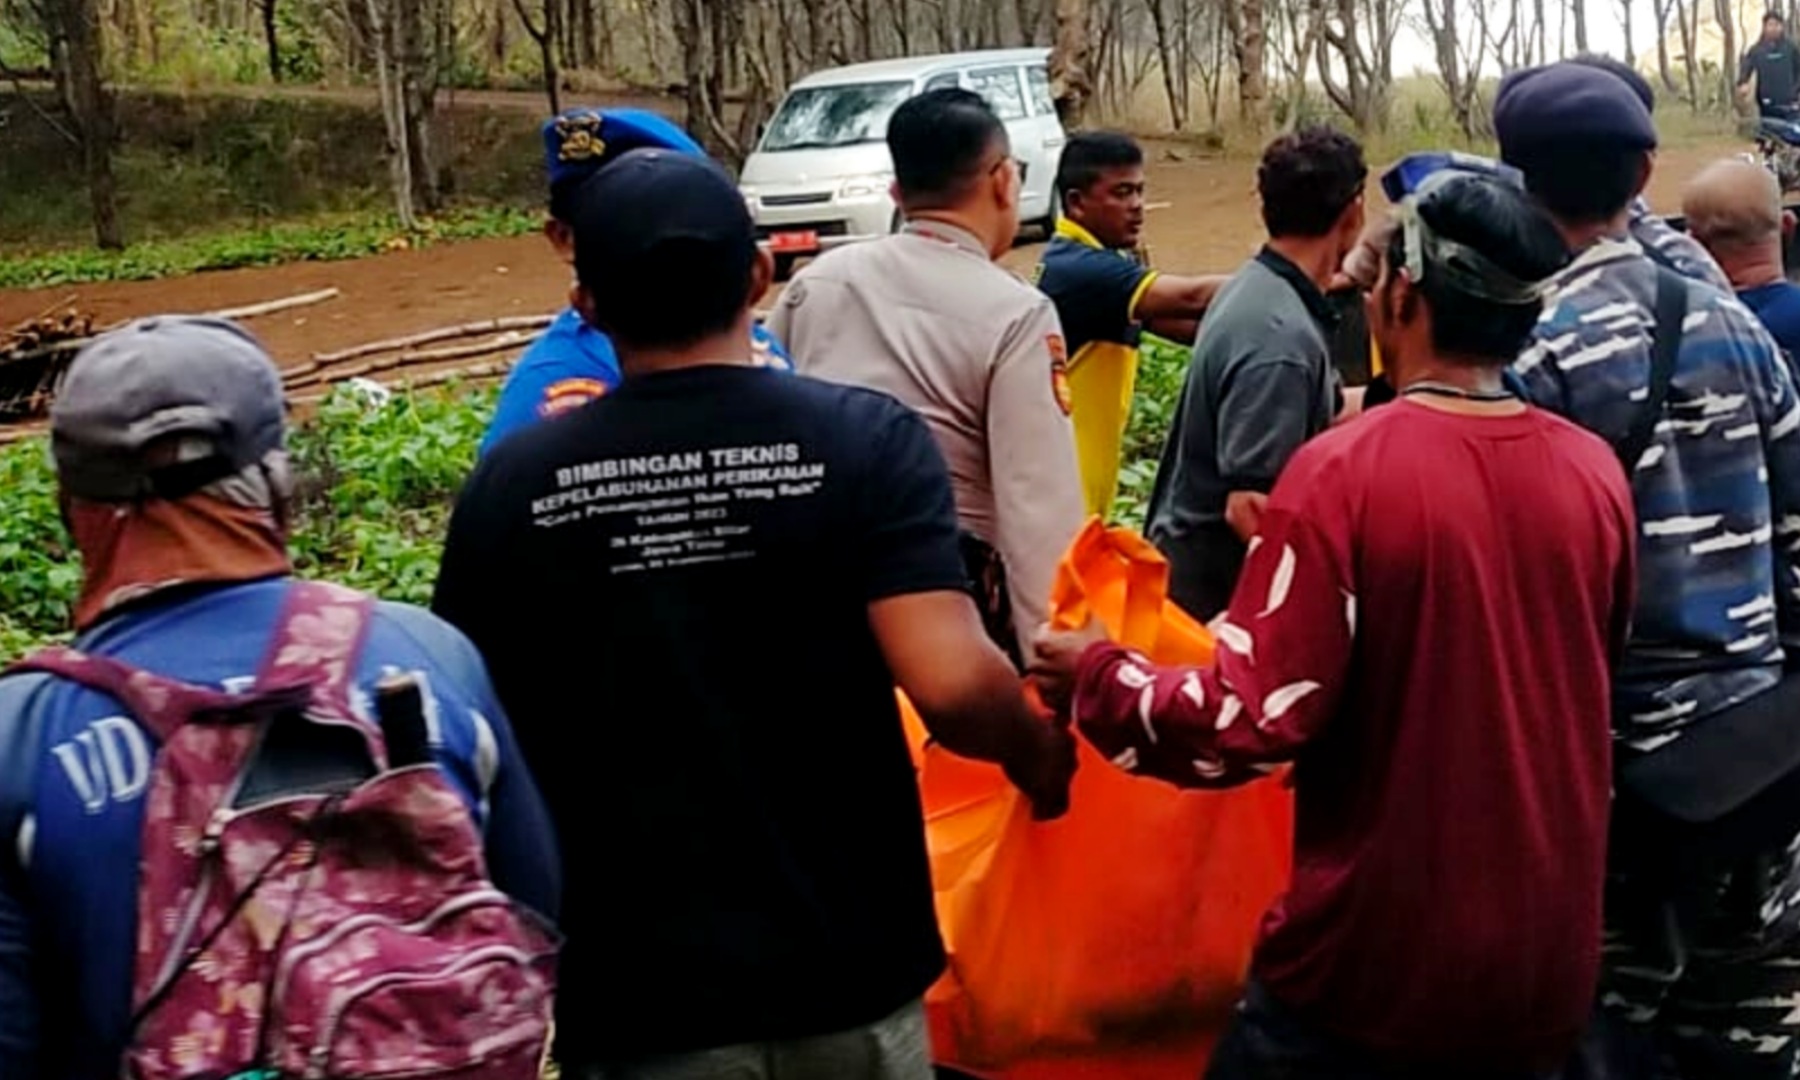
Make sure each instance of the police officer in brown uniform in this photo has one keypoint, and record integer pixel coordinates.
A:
(927, 317)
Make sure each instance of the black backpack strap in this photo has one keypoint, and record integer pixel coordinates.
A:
(1670, 312)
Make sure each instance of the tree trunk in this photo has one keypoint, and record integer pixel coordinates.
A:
(1027, 12)
(901, 13)
(1165, 51)
(1689, 60)
(1070, 77)
(653, 21)
(563, 10)
(1660, 10)
(1249, 38)
(586, 47)
(80, 73)
(393, 113)
(270, 36)
(718, 12)
(1578, 9)
(413, 39)
(1630, 44)
(605, 52)
(1726, 12)
(497, 41)
(699, 19)
(546, 51)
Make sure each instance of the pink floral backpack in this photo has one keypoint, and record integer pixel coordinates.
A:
(348, 929)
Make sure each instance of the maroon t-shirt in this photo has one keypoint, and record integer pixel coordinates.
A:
(1425, 625)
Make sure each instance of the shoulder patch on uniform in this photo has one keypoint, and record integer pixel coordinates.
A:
(794, 294)
(566, 394)
(1059, 372)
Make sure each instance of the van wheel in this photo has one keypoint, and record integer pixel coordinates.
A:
(784, 267)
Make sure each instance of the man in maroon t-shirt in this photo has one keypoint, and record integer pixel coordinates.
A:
(1425, 625)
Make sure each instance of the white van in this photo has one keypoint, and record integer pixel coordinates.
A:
(821, 176)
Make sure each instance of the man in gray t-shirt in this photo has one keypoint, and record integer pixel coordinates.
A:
(1261, 382)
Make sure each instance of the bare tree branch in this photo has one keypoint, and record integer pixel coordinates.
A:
(18, 82)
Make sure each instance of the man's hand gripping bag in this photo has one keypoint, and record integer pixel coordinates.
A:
(1113, 942)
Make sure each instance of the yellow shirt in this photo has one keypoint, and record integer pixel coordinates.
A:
(1096, 291)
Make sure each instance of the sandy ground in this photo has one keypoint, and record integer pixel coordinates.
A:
(1209, 224)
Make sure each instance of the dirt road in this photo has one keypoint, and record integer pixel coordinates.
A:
(1210, 224)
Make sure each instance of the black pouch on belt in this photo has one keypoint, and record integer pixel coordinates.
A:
(987, 584)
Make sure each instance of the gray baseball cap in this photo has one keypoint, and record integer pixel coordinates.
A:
(158, 377)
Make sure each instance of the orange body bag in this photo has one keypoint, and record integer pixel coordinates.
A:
(1114, 942)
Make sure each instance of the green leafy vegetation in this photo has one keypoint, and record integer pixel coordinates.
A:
(375, 483)
(1161, 368)
(350, 237)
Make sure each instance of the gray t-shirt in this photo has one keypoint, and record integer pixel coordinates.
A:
(1261, 383)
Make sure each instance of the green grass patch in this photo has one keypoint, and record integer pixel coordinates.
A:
(375, 485)
(346, 237)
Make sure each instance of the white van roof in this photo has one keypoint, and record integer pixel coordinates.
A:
(920, 67)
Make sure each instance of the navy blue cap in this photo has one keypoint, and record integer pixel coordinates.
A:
(578, 141)
(650, 197)
(1567, 102)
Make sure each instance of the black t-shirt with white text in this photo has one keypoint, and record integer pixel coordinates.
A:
(670, 586)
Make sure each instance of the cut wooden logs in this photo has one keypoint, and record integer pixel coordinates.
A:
(427, 337)
(305, 376)
(270, 307)
(472, 373)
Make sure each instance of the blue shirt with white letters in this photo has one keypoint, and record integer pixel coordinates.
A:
(73, 773)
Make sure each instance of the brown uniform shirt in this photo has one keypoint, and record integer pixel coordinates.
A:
(927, 317)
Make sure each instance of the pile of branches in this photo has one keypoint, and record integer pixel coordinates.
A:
(33, 356)
(36, 353)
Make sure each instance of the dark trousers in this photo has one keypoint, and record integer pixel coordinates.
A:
(1267, 1041)
(1700, 975)
(1203, 569)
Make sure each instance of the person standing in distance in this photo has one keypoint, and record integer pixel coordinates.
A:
(1773, 64)
(571, 363)
(1262, 381)
(697, 596)
(1702, 918)
(927, 317)
(1106, 297)
(1450, 786)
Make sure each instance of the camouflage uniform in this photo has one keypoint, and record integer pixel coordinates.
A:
(1705, 963)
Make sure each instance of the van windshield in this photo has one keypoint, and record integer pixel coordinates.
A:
(824, 116)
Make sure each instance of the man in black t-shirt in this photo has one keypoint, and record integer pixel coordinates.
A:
(1774, 63)
(696, 596)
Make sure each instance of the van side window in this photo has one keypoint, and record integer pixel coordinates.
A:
(1043, 103)
(1000, 86)
(946, 81)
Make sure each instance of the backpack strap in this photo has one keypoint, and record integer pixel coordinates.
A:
(1670, 312)
(317, 640)
(161, 704)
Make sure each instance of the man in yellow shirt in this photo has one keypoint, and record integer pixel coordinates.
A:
(1106, 296)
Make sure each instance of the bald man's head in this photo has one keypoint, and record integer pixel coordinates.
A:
(1733, 205)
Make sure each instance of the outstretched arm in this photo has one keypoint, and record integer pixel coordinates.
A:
(1283, 650)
